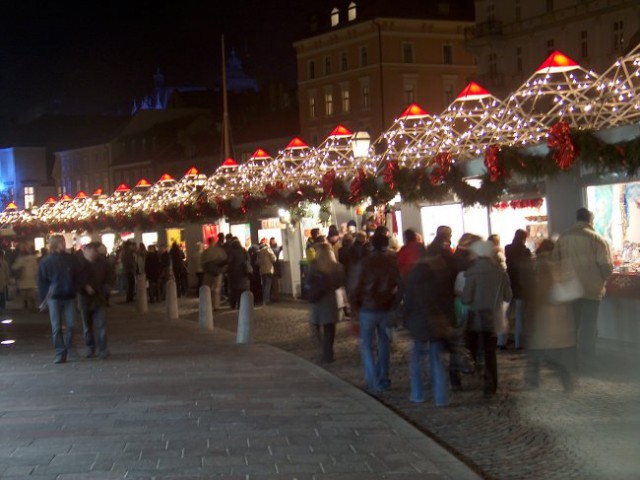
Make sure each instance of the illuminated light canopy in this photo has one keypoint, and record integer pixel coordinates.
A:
(473, 91)
(50, 201)
(286, 167)
(614, 99)
(192, 172)
(81, 196)
(98, 192)
(296, 143)
(229, 162)
(166, 178)
(341, 131)
(406, 129)
(414, 111)
(557, 62)
(11, 206)
(548, 96)
(65, 198)
(143, 183)
(122, 188)
(251, 173)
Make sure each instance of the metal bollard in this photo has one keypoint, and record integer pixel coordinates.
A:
(245, 317)
(205, 310)
(141, 293)
(172, 299)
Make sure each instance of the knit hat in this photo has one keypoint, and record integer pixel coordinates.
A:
(482, 248)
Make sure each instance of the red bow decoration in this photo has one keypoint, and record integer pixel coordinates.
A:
(328, 179)
(560, 140)
(389, 173)
(492, 162)
(356, 186)
(442, 166)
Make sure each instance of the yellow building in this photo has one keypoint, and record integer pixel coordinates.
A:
(372, 59)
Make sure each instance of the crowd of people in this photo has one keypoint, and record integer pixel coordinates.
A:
(460, 305)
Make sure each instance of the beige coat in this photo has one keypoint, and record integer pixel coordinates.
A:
(551, 326)
(582, 252)
(26, 267)
(266, 260)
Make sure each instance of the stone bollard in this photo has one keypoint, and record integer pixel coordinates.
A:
(245, 317)
(141, 293)
(205, 310)
(172, 299)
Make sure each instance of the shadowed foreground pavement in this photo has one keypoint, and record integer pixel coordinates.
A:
(175, 402)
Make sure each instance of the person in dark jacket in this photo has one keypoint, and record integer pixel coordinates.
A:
(179, 268)
(375, 293)
(129, 269)
(57, 285)
(519, 269)
(239, 272)
(325, 276)
(93, 284)
(152, 270)
(429, 318)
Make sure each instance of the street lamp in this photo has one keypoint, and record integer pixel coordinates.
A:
(360, 144)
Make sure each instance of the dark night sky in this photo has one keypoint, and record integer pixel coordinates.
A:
(94, 56)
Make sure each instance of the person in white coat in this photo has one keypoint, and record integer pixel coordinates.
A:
(266, 261)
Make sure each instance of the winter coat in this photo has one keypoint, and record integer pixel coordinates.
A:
(485, 288)
(376, 282)
(213, 260)
(239, 267)
(26, 267)
(96, 275)
(584, 253)
(518, 267)
(152, 267)
(58, 276)
(428, 300)
(550, 326)
(266, 260)
(409, 255)
(325, 309)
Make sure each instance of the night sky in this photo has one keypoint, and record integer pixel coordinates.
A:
(95, 57)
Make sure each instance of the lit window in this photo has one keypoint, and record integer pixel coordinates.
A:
(407, 52)
(328, 104)
(312, 107)
(447, 54)
(409, 93)
(346, 105)
(335, 17)
(365, 97)
(344, 62)
(29, 197)
(584, 43)
(312, 69)
(364, 57)
(351, 13)
(327, 65)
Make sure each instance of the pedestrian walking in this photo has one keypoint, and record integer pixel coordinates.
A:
(486, 287)
(585, 256)
(93, 284)
(325, 276)
(214, 262)
(265, 261)
(518, 262)
(153, 270)
(277, 270)
(240, 271)
(57, 284)
(550, 335)
(375, 293)
(429, 317)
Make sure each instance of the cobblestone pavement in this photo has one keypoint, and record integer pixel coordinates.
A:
(176, 403)
(592, 433)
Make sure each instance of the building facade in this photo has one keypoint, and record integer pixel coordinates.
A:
(369, 64)
(511, 38)
(23, 176)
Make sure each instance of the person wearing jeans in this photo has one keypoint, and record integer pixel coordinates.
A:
(57, 284)
(266, 261)
(93, 278)
(519, 268)
(419, 353)
(375, 293)
(373, 324)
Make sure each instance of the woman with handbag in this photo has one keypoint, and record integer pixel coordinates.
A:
(326, 275)
(486, 288)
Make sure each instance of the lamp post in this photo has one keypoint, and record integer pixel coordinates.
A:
(360, 143)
